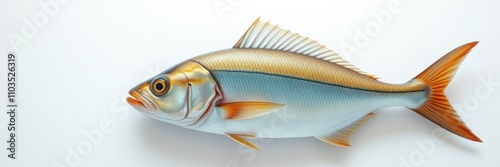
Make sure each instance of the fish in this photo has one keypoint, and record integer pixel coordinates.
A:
(274, 83)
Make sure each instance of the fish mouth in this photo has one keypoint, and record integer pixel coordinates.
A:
(140, 101)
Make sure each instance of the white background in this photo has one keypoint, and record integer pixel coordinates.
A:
(76, 70)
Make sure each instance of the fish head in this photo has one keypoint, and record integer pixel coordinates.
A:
(163, 97)
(179, 95)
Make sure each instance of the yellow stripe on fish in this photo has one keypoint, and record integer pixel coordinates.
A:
(296, 65)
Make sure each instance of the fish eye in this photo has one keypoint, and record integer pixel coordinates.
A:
(159, 87)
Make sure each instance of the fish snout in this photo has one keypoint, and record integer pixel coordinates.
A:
(140, 101)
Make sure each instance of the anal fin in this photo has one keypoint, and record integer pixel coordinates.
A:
(240, 138)
(341, 137)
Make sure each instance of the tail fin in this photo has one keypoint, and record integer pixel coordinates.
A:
(437, 108)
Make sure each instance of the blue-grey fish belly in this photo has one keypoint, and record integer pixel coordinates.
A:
(312, 108)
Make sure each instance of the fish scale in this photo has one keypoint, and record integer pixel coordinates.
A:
(273, 76)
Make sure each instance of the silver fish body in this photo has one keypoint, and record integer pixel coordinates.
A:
(312, 107)
(277, 84)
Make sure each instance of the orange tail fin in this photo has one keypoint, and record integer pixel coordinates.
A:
(437, 108)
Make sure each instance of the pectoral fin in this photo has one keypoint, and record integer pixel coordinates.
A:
(341, 137)
(239, 138)
(248, 109)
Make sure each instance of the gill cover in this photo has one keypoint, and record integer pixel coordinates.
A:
(202, 93)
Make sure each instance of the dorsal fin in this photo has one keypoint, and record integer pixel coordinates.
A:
(341, 137)
(263, 35)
